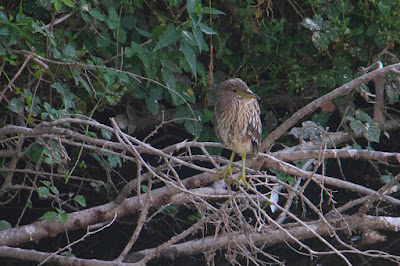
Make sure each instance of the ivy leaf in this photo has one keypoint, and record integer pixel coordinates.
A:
(385, 7)
(49, 215)
(208, 116)
(386, 178)
(372, 132)
(313, 24)
(43, 192)
(80, 199)
(168, 37)
(152, 104)
(113, 20)
(2, 50)
(54, 190)
(357, 127)
(34, 153)
(15, 105)
(106, 134)
(142, 54)
(62, 216)
(97, 14)
(4, 31)
(194, 127)
(153, 95)
(67, 95)
(320, 40)
(168, 76)
(3, 17)
(69, 52)
(4, 225)
(176, 95)
(320, 119)
(190, 57)
(363, 116)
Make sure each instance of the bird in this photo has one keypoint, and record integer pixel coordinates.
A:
(237, 123)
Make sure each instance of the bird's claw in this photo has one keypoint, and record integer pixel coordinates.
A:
(241, 179)
(227, 171)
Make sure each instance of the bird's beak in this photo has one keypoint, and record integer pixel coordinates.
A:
(248, 95)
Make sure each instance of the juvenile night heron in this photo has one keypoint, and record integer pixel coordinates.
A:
(237, 122)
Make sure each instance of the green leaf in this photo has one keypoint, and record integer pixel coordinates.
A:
(46, 183)
(357, 146)
(122, 37)
(357, 127)
(106, 134)
(192, 124)
(321, 119)
(54, 190)
(43, 192)
(313, 24)
(144, 188)
(67, 95)
(210, 10)
(34, 152)
(363, 116)
(2, 50)
(68, 3)
(57, 4)
(4, 225)
(386, 178)
(15, 105)
(190, 6)
(152, 105)
(62, 216)
(143, 56)
(372, 132)
(80, 199)
(113, 20)
(208, 116)
(207, 30)
(190, 57)
(372, 30)
(97, 14)
(3, 17)
(320, 40)
(49, 215)
(4, 32)
(168, 77)
(193, 127)
(69, 51)
(168, 37)
(153, 95)
(199, 37)
(384, 7)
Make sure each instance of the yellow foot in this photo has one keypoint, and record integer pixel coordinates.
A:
(241, 179)
(224, 173)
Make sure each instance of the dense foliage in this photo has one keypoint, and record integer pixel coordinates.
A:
(293, 49)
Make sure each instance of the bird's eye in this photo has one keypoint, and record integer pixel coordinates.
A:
(234, 91)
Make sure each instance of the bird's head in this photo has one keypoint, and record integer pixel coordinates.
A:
(236, 88)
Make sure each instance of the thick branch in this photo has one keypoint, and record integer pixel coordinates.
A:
(273, 236)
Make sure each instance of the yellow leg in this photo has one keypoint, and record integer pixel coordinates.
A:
(242, 178)
(228, 170)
